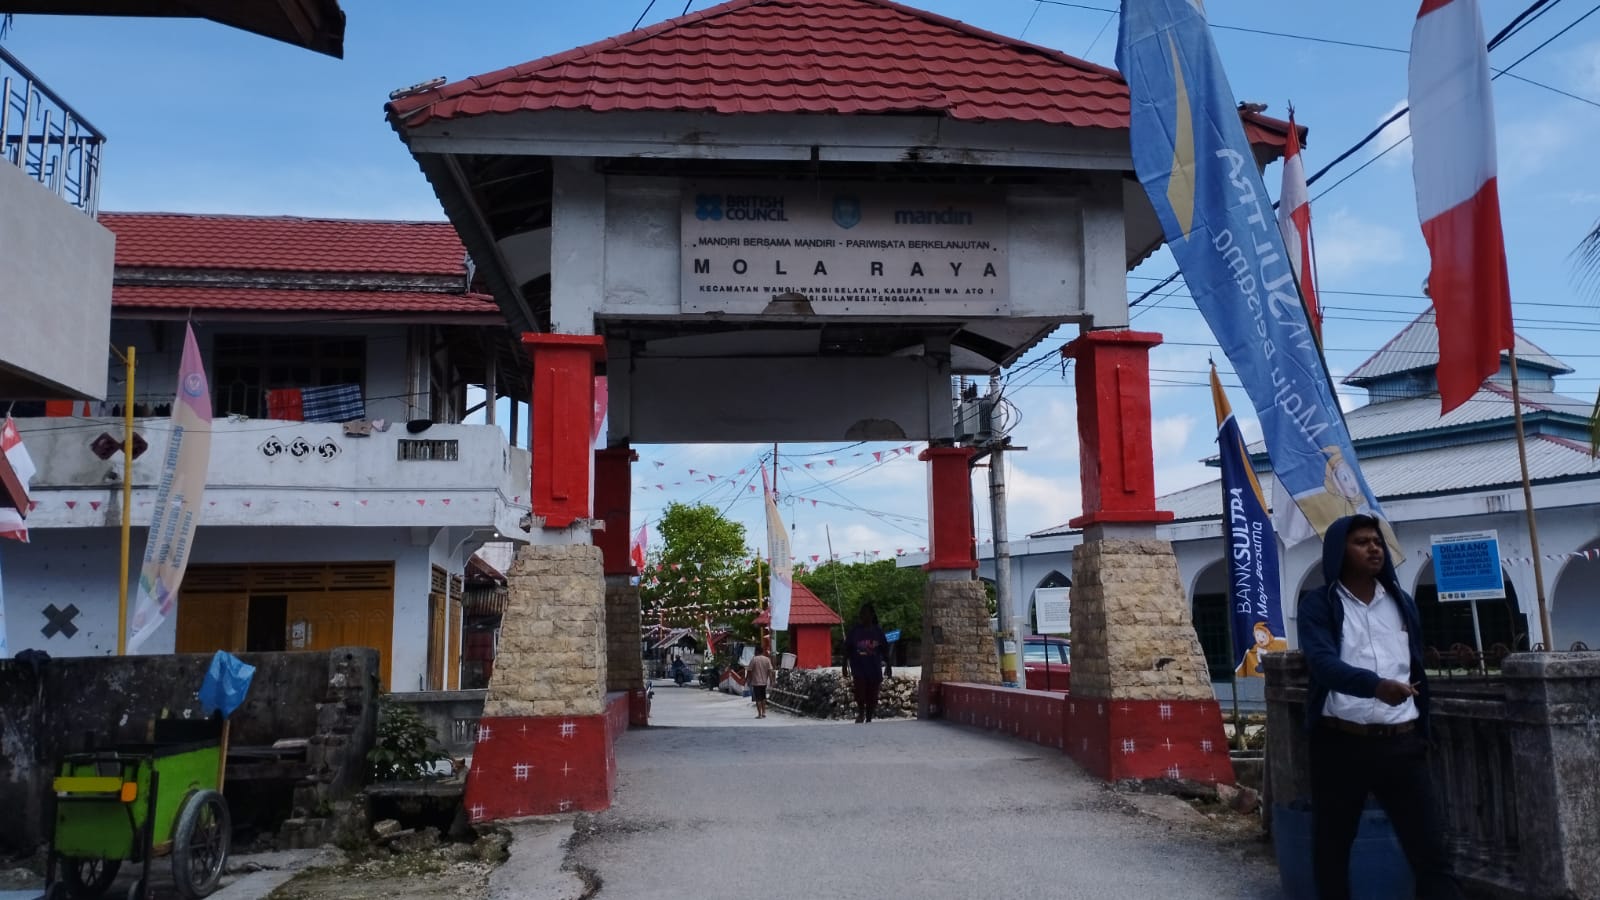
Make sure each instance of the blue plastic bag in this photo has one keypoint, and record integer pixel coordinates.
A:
(227, 682)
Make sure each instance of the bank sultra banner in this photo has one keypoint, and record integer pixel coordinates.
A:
(1255, 606)
(1191, 155)
(178, 499)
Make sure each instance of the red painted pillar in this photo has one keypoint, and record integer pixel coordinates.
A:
(1117, 460)
(561, 414)
(613, 503)
(950, 537)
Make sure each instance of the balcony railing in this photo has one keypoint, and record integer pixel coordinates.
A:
(46, 138)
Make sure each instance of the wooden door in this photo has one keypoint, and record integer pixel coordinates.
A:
(210, 621)
(437, 634)
(345, 619)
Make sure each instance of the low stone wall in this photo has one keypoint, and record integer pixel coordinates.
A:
(1514, 762)
(1036, 716)
(76, 704)
(823, 694)
(454, 715)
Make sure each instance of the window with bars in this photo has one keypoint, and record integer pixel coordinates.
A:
(246, 366)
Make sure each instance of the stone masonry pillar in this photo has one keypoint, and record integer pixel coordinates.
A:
(544, 743)
(1553, 702)
(957, 642)
(1141, 703)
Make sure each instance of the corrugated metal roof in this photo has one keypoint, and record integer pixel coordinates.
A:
(1420, 473)
(1417, 347)
(823, 57)
(1396, 417)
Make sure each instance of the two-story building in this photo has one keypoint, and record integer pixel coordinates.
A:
(344, 495)
(55, 290)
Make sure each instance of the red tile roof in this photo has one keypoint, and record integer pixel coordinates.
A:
(806, 56)
(285, 244)
(126, 297)
(805, 608)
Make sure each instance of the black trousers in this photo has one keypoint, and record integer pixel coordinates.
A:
(1345, 769)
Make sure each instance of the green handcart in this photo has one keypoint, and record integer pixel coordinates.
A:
(137, 804)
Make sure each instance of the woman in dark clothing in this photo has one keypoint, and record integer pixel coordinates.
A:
(866, 661)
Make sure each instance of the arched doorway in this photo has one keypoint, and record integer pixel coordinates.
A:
(1575, 602)
(1053, 580)
(1208, 607)
(1446, 624)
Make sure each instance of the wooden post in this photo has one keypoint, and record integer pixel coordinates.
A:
(127, 505)
(1527, 501)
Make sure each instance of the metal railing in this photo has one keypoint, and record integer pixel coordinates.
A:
(46, 138)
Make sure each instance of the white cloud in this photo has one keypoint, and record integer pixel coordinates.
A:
(1527, 148)
(1170, 436)
(1397, 130)
(1582, 68)
(1347, 244)
(1035, 500)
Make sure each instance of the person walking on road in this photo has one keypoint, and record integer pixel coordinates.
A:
(866, 661)
(759, 675)
(1367, 712)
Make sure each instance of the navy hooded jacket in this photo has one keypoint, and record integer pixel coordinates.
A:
(1322, 628)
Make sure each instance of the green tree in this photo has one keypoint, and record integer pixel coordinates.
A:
(703, 570)
(894, 591)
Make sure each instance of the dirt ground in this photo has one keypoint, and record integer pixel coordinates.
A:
(446, 872)
(411, 877)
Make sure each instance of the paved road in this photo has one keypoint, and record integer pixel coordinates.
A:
(890, 809)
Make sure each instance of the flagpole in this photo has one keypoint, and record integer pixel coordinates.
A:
(1527, 501)
(129, 361)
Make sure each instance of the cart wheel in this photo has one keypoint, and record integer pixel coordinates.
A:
(86, 879)
(200, 844)
(136, 890)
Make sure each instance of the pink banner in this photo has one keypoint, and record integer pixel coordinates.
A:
(178, 500)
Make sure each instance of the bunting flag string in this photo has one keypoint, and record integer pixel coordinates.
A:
(703, 476)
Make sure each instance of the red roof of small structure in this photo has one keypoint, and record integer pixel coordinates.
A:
(285, 244)
(805, 608)
(850, 57)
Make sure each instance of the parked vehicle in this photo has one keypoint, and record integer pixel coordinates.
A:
(1047, 662)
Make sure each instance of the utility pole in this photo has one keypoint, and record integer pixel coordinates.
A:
(1011, 625)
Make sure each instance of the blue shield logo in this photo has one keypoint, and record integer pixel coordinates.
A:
(846, 211)
(708, 207)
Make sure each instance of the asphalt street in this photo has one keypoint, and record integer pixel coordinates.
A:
(710, 807)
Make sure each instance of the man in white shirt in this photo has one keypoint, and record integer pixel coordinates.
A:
(1367, 709)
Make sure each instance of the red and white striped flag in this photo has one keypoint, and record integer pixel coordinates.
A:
(637, 550)
(1294, 222)
(11, 519)
(1458, 200)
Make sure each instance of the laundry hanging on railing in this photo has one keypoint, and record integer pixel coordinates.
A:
(333, 403)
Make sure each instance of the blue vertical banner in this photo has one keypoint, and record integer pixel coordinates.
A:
(1191, 155)
(1255, 607)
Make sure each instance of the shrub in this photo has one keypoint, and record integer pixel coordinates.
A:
(405, 749)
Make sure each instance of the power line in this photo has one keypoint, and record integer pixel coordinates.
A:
(647, 8)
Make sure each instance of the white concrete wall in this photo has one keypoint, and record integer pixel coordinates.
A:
(79, 567)
(55, 291)
(160, 349)
(363, 485)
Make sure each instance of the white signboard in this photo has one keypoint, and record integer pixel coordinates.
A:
(809, 248)
(1052, 607)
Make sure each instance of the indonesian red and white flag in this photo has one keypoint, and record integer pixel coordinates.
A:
(11, 519)
(641, 541)
(1458, 200)
(1294, 222)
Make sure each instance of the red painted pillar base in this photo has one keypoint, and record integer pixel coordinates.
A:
(1117, 459)
(542, 765)
(1149, 739)
(951, 545)
(561, 420)
(638, 708)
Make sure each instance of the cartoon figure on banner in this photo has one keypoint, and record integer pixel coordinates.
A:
(1341, 496)
(1265, 643)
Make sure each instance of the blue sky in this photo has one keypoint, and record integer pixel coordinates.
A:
(203, 118)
